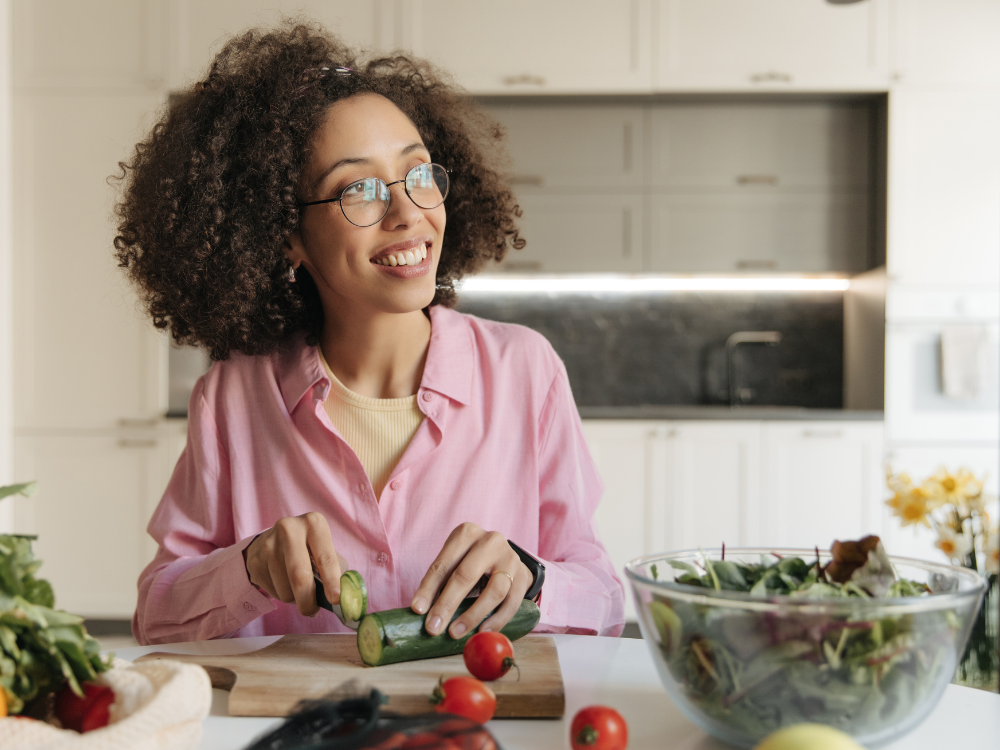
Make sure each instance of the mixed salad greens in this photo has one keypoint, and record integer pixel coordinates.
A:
(756, 671)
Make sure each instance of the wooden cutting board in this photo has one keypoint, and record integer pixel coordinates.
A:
(269, 682)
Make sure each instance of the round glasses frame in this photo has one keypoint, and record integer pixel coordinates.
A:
(383, 190)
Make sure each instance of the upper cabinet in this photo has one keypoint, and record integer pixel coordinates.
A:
(945, 43)
(771, 45)
(526, 46)
(198, 29)
(92, 45)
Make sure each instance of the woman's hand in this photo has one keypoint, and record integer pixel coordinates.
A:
(468, 555)
(281, 561)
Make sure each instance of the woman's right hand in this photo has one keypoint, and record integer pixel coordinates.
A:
(281, 561)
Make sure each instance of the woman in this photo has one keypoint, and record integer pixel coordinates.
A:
(289, 213)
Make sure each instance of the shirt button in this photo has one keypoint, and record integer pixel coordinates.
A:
(382, 557)
(248, 606)
(395, 484)
(361, 488)
(427, 396)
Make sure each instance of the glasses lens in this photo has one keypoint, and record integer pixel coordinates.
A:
(365, 202)
(427, 185)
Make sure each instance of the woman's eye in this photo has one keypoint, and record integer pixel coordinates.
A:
(355, 188)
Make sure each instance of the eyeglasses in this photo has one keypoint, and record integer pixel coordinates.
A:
(366, 202)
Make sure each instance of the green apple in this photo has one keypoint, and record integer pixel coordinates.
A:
(808, 737)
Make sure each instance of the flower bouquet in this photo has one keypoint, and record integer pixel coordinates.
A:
(954, 506)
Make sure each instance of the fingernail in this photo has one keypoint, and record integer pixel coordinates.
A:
(434, 625)
(457, 629)
(485, 629)
(420, 605)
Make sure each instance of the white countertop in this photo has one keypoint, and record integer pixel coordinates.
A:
(617, 672)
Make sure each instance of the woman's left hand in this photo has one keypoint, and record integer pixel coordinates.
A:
(470, 553)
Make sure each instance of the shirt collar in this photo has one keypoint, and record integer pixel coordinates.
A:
(448, 369)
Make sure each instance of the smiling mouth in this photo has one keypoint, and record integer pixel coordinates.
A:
(411, 257)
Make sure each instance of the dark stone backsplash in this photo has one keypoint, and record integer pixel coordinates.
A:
(670, 348)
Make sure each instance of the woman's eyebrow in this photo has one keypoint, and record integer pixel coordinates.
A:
(362, 160)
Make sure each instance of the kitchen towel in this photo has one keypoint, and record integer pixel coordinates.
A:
(963, 360)
(159, 705)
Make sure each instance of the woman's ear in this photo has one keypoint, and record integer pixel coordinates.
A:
(293, 249)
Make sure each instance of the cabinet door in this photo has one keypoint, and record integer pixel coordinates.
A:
(712, 478)
(580, 233)
(953, 43)
(90, 515)
(758, 231)
(944, 187)
(628, 518)
(584, 148)
(821, 481)
(739, 45)
(86, 356)
(521, 46)
(87, 45)
(199, 29)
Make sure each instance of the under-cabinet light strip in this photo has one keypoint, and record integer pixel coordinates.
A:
(600, 283)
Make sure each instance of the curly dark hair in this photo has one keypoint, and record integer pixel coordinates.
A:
(211, 194)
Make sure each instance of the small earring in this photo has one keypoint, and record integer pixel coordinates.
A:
(291, 274)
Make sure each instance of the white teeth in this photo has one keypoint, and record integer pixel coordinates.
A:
(406, 258)
(423, 251)
(410, 258)
(391, 261)
(400, 259)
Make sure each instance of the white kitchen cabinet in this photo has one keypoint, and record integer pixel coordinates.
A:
(580, 233)
(771, 45)
(945, 43)
(90, 514)
(630, 515)
(944, 187)
(197, 30)
(712, 477)
(523, 46)
(88, 45)
(820, 481)
(584, 148)
(87, 357)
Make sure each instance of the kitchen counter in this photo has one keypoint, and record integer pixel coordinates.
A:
(617, 672)
(764, 413)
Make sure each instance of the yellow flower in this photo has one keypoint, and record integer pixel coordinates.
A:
(958, 489)
(911, 505)
(955, 546)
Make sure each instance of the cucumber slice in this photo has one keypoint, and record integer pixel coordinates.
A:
(353, 595)
(397, 635)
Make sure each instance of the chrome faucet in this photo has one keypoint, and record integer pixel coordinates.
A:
(737, 395)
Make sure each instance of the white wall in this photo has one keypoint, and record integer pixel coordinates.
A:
(6, 263)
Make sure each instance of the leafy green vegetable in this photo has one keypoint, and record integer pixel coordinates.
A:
(758, 671)
(41, 648)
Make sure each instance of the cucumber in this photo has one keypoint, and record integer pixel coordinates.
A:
(353, 595)
(398, 634)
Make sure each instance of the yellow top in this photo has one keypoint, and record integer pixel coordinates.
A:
(378, 429)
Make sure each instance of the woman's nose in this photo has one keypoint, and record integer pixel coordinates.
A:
(402, 212)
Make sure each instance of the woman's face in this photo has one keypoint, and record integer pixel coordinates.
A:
(367, 136)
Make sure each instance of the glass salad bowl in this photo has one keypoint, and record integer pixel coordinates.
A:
(743, 665)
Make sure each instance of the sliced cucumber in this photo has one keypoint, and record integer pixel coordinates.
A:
(397, 635)
(353, 595)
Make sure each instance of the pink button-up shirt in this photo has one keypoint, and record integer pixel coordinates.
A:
(501, 446)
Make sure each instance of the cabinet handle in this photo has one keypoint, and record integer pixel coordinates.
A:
(134, 443)
(771, 76)
(822, 433)
(137, 423)
(524, 78)
(663, 432)
(527, 179)
(757, 265)
(627, 233)
(757, 179)
(517, 266)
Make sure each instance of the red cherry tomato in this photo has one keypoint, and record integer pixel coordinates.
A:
(465, 696)
(488, 656)
(598, 728)
(90, 712)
